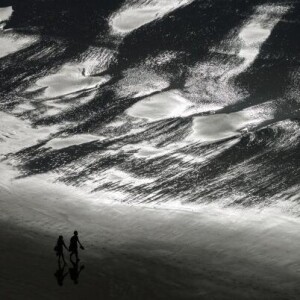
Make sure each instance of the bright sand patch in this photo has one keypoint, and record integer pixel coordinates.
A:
(134, 16)
(5, 13)
(160, 106)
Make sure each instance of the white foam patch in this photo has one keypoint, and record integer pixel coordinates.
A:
(134, 16)
(10, 43)
(160, 106)
(5, 13)
(60, 143)
(69, 79)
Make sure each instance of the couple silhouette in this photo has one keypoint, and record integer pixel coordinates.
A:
(73, 248)
(75, 270)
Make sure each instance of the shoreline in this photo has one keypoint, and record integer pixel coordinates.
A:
(142, 253)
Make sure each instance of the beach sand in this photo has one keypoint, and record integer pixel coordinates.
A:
(141, 253)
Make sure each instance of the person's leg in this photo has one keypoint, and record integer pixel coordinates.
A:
(76, 255)
(72, 253)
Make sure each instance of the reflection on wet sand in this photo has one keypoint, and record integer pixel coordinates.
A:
(60, 274)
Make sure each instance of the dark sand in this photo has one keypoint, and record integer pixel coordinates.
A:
(141, 253)
(28, 266)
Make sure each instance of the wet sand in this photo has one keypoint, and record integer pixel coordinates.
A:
(28, 272)
(141, 253)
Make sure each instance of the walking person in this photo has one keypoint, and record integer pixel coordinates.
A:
(74, 241)
(59, 248)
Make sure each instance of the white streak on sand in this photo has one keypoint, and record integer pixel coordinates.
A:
(10, 43)
(160, 106)
(134, 16)
(60, 143)
(254, 34)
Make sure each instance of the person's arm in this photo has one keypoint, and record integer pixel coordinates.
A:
(80, 243)
(65, 246)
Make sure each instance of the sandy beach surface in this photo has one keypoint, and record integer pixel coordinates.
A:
(166, 132)
(141, 253)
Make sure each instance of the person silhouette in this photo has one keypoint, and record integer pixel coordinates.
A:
(60, 275)
(75, 271)
(73, 248)
(59, 249)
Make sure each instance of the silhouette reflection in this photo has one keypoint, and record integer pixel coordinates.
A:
(75, 271)
(60, 274)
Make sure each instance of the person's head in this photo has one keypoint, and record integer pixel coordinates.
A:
(75, 232)
(60, 237)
